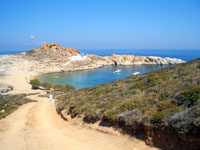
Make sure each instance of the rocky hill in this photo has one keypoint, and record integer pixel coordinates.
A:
(52, 57)
(51, 51)
(138, 60)
(161, 107)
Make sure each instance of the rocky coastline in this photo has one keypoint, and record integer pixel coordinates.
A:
(52, 57)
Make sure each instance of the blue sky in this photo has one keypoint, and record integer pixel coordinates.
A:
(82, 24)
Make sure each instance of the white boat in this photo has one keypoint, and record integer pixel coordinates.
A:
(56, 77)
(116, 71)
(136, 73)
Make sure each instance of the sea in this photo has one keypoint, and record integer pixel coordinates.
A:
(87, 78)
(184, 54)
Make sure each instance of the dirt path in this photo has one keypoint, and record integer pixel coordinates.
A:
(37, 126)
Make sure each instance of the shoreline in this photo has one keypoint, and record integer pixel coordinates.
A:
(9, 79)
(20, 85)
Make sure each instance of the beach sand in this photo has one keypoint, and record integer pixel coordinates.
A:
(19, 82)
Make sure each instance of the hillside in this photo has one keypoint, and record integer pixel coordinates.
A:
(161, 107)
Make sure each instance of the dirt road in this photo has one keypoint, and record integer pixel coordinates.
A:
(37, 126)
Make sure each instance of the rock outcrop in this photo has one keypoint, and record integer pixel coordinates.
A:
(52, 47)
(138, 60)
(52, 57)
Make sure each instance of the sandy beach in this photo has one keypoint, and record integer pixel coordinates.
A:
(18, 82)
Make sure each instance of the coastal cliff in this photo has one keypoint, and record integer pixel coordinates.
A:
(52, 57)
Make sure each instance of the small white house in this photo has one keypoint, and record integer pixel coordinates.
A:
(78, 57)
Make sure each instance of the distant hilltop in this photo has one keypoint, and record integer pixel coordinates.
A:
(54, 47)
(52, 57)
(48, 46)
(51, 45)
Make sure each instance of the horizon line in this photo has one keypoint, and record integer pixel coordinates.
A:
(113, 49)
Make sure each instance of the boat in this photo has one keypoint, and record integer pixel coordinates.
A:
(116, 71)
(136, 73)
(56, 77)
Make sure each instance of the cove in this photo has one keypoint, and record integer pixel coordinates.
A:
(87, 78)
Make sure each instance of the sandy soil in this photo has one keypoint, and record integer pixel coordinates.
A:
(18, 82)
(37, 126)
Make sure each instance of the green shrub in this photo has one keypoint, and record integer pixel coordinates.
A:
(35, 84)
(51, 46)
(189, 97)
(69, 87)
(64, 88)
(157, 118)
(46, 85)
(58, 87)
(160, 115)
(129, 106)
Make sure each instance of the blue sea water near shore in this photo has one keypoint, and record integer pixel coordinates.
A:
(87, 78)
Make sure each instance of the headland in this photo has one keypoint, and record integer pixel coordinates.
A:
(52, 57)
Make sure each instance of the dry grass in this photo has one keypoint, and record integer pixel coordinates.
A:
(9, 103)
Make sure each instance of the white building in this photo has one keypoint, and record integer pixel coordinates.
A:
(78, 57)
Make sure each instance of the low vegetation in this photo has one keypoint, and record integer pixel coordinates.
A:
(36, 84)
(64, 88)
(30, 52)
(9, 103)
(155, 98)
(46, 85)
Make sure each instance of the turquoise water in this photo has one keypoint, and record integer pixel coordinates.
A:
(87, 78)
